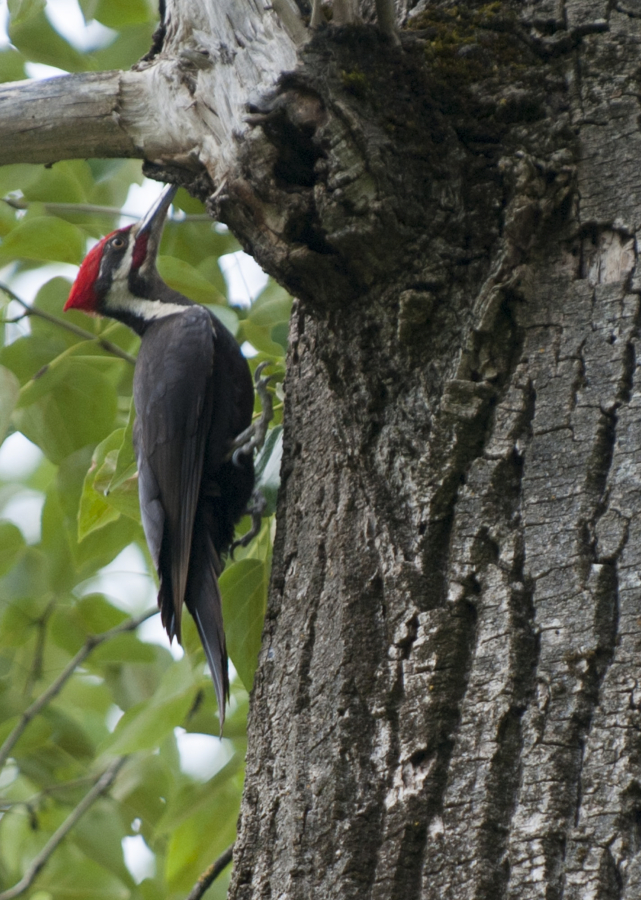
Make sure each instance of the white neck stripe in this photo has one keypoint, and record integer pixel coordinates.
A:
(120, 299)
(147, 309)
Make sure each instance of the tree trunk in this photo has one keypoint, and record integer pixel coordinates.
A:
(446, 704)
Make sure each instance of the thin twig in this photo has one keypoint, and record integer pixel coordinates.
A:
(209, 875)
(103, 783)
(93, 209)
(68, 326)
(35, 672)
(32, 803)
(89, 645)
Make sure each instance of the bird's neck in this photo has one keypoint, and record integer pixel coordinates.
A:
(138, 312)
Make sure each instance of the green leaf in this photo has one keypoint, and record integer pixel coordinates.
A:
(97, 615)
(68, 181)
(280, 333)
(119, 13)
(272, 306)
(98, 548)
(21, 10)
(210, 268)
(112, 179)
(50, 299)
(124, 497)
(44, 237)
(40, 42)
(17, 177)
(68, 735)
(70, 405)
(100, 838)
(126, 466)
(9, 393)
(146, 724)
(244, 588)
(28, 355)
(27, 583)
(56, 542)
(8, 221)
(11, 544)
(71, 876)
(65, 630)
(199, 245)
(94, 511)
(202, 837)
(11, 65)
(124, 648)
(142, 783)
(188, 204)
(16, 833)
(182, 277)
(195, 797)
(132, 43)
(268, 468)
(225, 315)
(260, 337)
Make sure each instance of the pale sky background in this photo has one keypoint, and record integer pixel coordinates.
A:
(125, 579)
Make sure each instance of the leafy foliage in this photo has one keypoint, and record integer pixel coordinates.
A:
(70, 395)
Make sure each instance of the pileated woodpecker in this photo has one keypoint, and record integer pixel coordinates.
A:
(193, 395)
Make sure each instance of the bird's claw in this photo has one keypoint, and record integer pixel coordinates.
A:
(255, 509)
(253, 438)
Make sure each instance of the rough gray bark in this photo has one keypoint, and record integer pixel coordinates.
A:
(446, 705)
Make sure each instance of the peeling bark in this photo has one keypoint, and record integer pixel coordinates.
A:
(184, 105)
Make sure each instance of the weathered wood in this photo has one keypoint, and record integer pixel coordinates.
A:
(62, 118)
(186, 106)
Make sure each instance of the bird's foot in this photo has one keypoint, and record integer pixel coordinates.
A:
(255, 509)
(253, 438)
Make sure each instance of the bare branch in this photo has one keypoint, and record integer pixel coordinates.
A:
(89, 645)
(209, 875)
(63, 118)
(94, 209)
(68, 326)
(32, 803)
(180, 109)
(103, 783)
(35, 672)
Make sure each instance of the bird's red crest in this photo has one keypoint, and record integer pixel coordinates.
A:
(83, 293)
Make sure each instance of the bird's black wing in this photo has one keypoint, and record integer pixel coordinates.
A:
(204, 602)
(173, 398)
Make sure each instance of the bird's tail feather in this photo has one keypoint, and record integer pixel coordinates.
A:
(204, 602)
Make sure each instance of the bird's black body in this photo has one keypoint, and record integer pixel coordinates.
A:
(193, 395)
(191, 496)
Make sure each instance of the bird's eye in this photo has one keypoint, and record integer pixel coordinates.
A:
(118, 243)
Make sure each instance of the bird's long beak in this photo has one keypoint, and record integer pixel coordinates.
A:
(148, 232)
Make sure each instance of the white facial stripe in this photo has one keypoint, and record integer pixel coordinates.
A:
(125, 263)
(120, 299)
(123, 301)
(152, 309)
